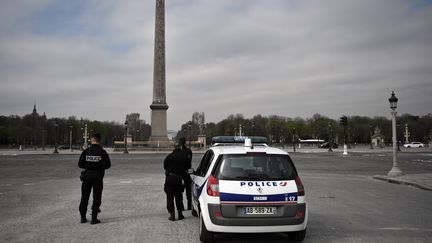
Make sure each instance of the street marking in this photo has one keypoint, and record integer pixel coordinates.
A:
(28, 184)
(125, 182)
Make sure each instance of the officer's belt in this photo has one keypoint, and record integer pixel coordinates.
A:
(174, 174)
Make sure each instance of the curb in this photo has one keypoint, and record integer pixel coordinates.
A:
(401, 181)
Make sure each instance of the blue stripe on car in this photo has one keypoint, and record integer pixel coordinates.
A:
(285, 197)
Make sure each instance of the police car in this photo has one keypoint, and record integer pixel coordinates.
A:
(244, 186)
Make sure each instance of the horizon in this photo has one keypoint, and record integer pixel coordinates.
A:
(40, 113)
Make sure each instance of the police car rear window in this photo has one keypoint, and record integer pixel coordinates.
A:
(255, 167)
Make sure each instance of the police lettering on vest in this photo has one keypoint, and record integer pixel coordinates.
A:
(90, 158)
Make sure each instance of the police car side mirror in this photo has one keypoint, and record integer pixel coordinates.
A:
(191, 171)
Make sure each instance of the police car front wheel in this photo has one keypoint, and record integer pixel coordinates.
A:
(205, 235)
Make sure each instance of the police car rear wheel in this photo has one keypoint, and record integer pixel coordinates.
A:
(194, 212)
(205, 235)
(297, 236)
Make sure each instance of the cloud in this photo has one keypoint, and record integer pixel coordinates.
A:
(293, 58)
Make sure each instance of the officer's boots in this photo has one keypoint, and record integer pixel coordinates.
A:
(94, 219)
(180, 215)
(172, 217)
(83, 218)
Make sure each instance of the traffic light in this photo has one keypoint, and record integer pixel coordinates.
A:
(344, 120)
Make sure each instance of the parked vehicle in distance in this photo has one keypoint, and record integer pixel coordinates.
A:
(327, 144)
(414, 145)
(62, 147)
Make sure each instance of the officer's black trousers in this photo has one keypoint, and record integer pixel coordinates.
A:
(178, 197)
(187, 181)
(174, 191)
(92, 180)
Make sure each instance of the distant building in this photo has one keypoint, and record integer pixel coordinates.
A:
(198, 118)
(377, 138)
(172, 134)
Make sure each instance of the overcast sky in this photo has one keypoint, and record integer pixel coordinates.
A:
(94, 58)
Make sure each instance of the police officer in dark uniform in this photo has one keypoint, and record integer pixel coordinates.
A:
(95, 161)
(186, 177)
(174, 166)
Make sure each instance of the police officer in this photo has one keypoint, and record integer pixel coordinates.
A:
(186, 177)
(174, 166)
(95, 161)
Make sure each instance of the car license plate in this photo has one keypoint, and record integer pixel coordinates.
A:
(259, 210)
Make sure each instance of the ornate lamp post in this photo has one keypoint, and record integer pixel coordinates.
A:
(190, 132)
(395, 171)
(253, 128)
(349, 137)
(70, 138)
(82, 134)
(294, 138)
(330, 138)
(85, 136)
(125, 138)
(398, 142)
(43, 139)
(344, 123)
(406, 134)
(55, 138)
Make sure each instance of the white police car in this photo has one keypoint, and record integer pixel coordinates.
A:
(248, 188)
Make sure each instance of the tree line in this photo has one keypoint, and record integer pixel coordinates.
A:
(283, 130)
(34, 130)
(38, 130)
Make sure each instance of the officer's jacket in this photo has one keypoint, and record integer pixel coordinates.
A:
(189, 155)
(176, 162)
(94, 158)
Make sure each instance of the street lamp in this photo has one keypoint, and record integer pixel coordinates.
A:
(190, 132)
(349, 137)
(395, 171)
(344, 123)
(398, 142)
(85, 136)
(294, 138)
(125, 138)
(253, 128)
(70, 137)
(330, 138)
(81, 139)
(55, 138)
(43, 139)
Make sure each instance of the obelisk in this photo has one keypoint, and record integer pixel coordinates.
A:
(159, 107)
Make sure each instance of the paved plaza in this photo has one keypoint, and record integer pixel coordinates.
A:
(40, 193)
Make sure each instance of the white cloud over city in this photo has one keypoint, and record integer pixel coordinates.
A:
(94, 58)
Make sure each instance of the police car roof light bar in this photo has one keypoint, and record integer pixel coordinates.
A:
(238, 139)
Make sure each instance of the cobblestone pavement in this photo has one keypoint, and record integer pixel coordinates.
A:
(39, 197)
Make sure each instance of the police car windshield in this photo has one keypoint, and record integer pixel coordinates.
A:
(255, 167)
